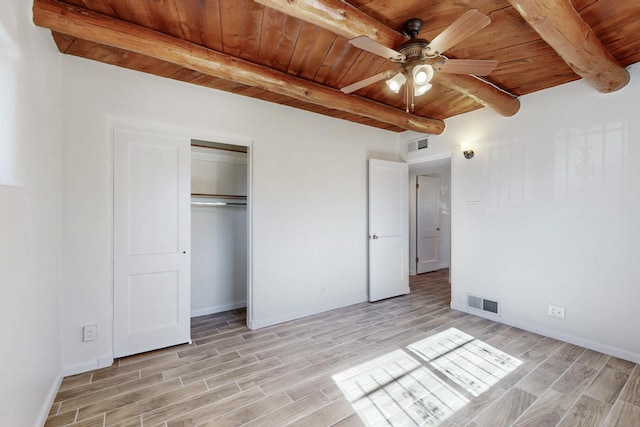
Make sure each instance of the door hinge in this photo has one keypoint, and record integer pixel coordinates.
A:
(417, 186)
(417, 259)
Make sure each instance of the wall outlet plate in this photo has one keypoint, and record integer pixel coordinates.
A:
(556, 311)
(89, 332)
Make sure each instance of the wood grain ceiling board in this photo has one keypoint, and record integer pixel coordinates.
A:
(247, 30)
(200, 22)
(279, 36)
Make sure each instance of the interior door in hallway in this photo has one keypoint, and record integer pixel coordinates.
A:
(151, 239)
(428, 223)
(388, 229)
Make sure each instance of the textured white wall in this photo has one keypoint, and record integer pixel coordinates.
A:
(557, 215)
(309, 199)
(29, 217)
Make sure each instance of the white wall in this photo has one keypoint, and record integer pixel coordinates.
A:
(309, 201)
(218, 233)
(29, 217)
(557, 220)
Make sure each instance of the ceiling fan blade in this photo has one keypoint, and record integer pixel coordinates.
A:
(469, 23)
(369, 80)
(365, 43)
(477, 67)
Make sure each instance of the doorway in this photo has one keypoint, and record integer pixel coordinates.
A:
(219, 189)
(436, 251)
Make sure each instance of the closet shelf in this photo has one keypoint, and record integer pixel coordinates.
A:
(203, 199)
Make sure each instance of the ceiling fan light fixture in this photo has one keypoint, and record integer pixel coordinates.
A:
(422, 74)
(396, 82)
(420, 89)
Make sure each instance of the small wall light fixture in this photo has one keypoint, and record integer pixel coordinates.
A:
(466, 150)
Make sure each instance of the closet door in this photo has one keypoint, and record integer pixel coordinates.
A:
(151, 240)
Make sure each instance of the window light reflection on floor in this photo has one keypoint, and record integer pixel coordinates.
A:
(409, 388)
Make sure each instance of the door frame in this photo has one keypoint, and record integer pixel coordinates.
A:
(124, 123)
(421, 167)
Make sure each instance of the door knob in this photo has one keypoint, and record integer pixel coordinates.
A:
(374, 237)
(438, 229)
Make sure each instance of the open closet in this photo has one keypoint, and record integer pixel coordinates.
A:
(218, 227)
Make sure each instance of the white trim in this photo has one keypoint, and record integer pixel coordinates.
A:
(99, 363)
(426, 159)
(552, 333)
(300, 314)
(249, 296)
(50, 398)
(152, 127)
(218, 308)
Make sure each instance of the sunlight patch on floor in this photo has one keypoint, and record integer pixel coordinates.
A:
(396, 389)
(409, 387)
(472, 364)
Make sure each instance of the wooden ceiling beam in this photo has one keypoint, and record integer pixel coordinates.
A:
(86, 25)
(349, 22)
(483, 93)
(562, 28)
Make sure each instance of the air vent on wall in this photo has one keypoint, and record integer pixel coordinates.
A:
(418, 144)
(480, 303)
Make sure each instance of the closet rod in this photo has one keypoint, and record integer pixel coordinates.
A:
(196, 203)
(222, 196)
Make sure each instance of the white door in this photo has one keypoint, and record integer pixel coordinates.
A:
(151, 239)
(388, 229)
(428, 227)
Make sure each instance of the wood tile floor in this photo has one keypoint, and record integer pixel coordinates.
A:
(379, 354)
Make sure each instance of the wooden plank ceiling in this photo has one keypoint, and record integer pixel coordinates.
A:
(243, 47)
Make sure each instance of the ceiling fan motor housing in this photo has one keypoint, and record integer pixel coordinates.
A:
(413, 49)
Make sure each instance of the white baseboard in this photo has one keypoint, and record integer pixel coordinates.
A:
(218, 308)
(553, 333)
(101, 362)
(263, 323)
(48, 402)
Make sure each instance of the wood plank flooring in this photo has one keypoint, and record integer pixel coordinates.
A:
(395, 362)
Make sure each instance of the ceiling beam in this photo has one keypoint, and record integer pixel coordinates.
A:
(483, 93)
(93, 27)
(349, 22)
(562, 28)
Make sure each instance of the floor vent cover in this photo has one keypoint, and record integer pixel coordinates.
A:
(480, 303)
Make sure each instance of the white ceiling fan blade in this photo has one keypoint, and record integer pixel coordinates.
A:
(369, 80)
(365, 43)
(469, 23)
(477, 67)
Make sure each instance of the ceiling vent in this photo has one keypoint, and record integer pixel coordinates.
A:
(418, 144)
(483, 304)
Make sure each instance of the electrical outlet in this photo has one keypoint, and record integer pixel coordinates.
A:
(556, 311)
(89, 332)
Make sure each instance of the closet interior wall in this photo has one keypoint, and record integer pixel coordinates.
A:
(218, 230)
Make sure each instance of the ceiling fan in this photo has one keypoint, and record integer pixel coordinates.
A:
(419, 58)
